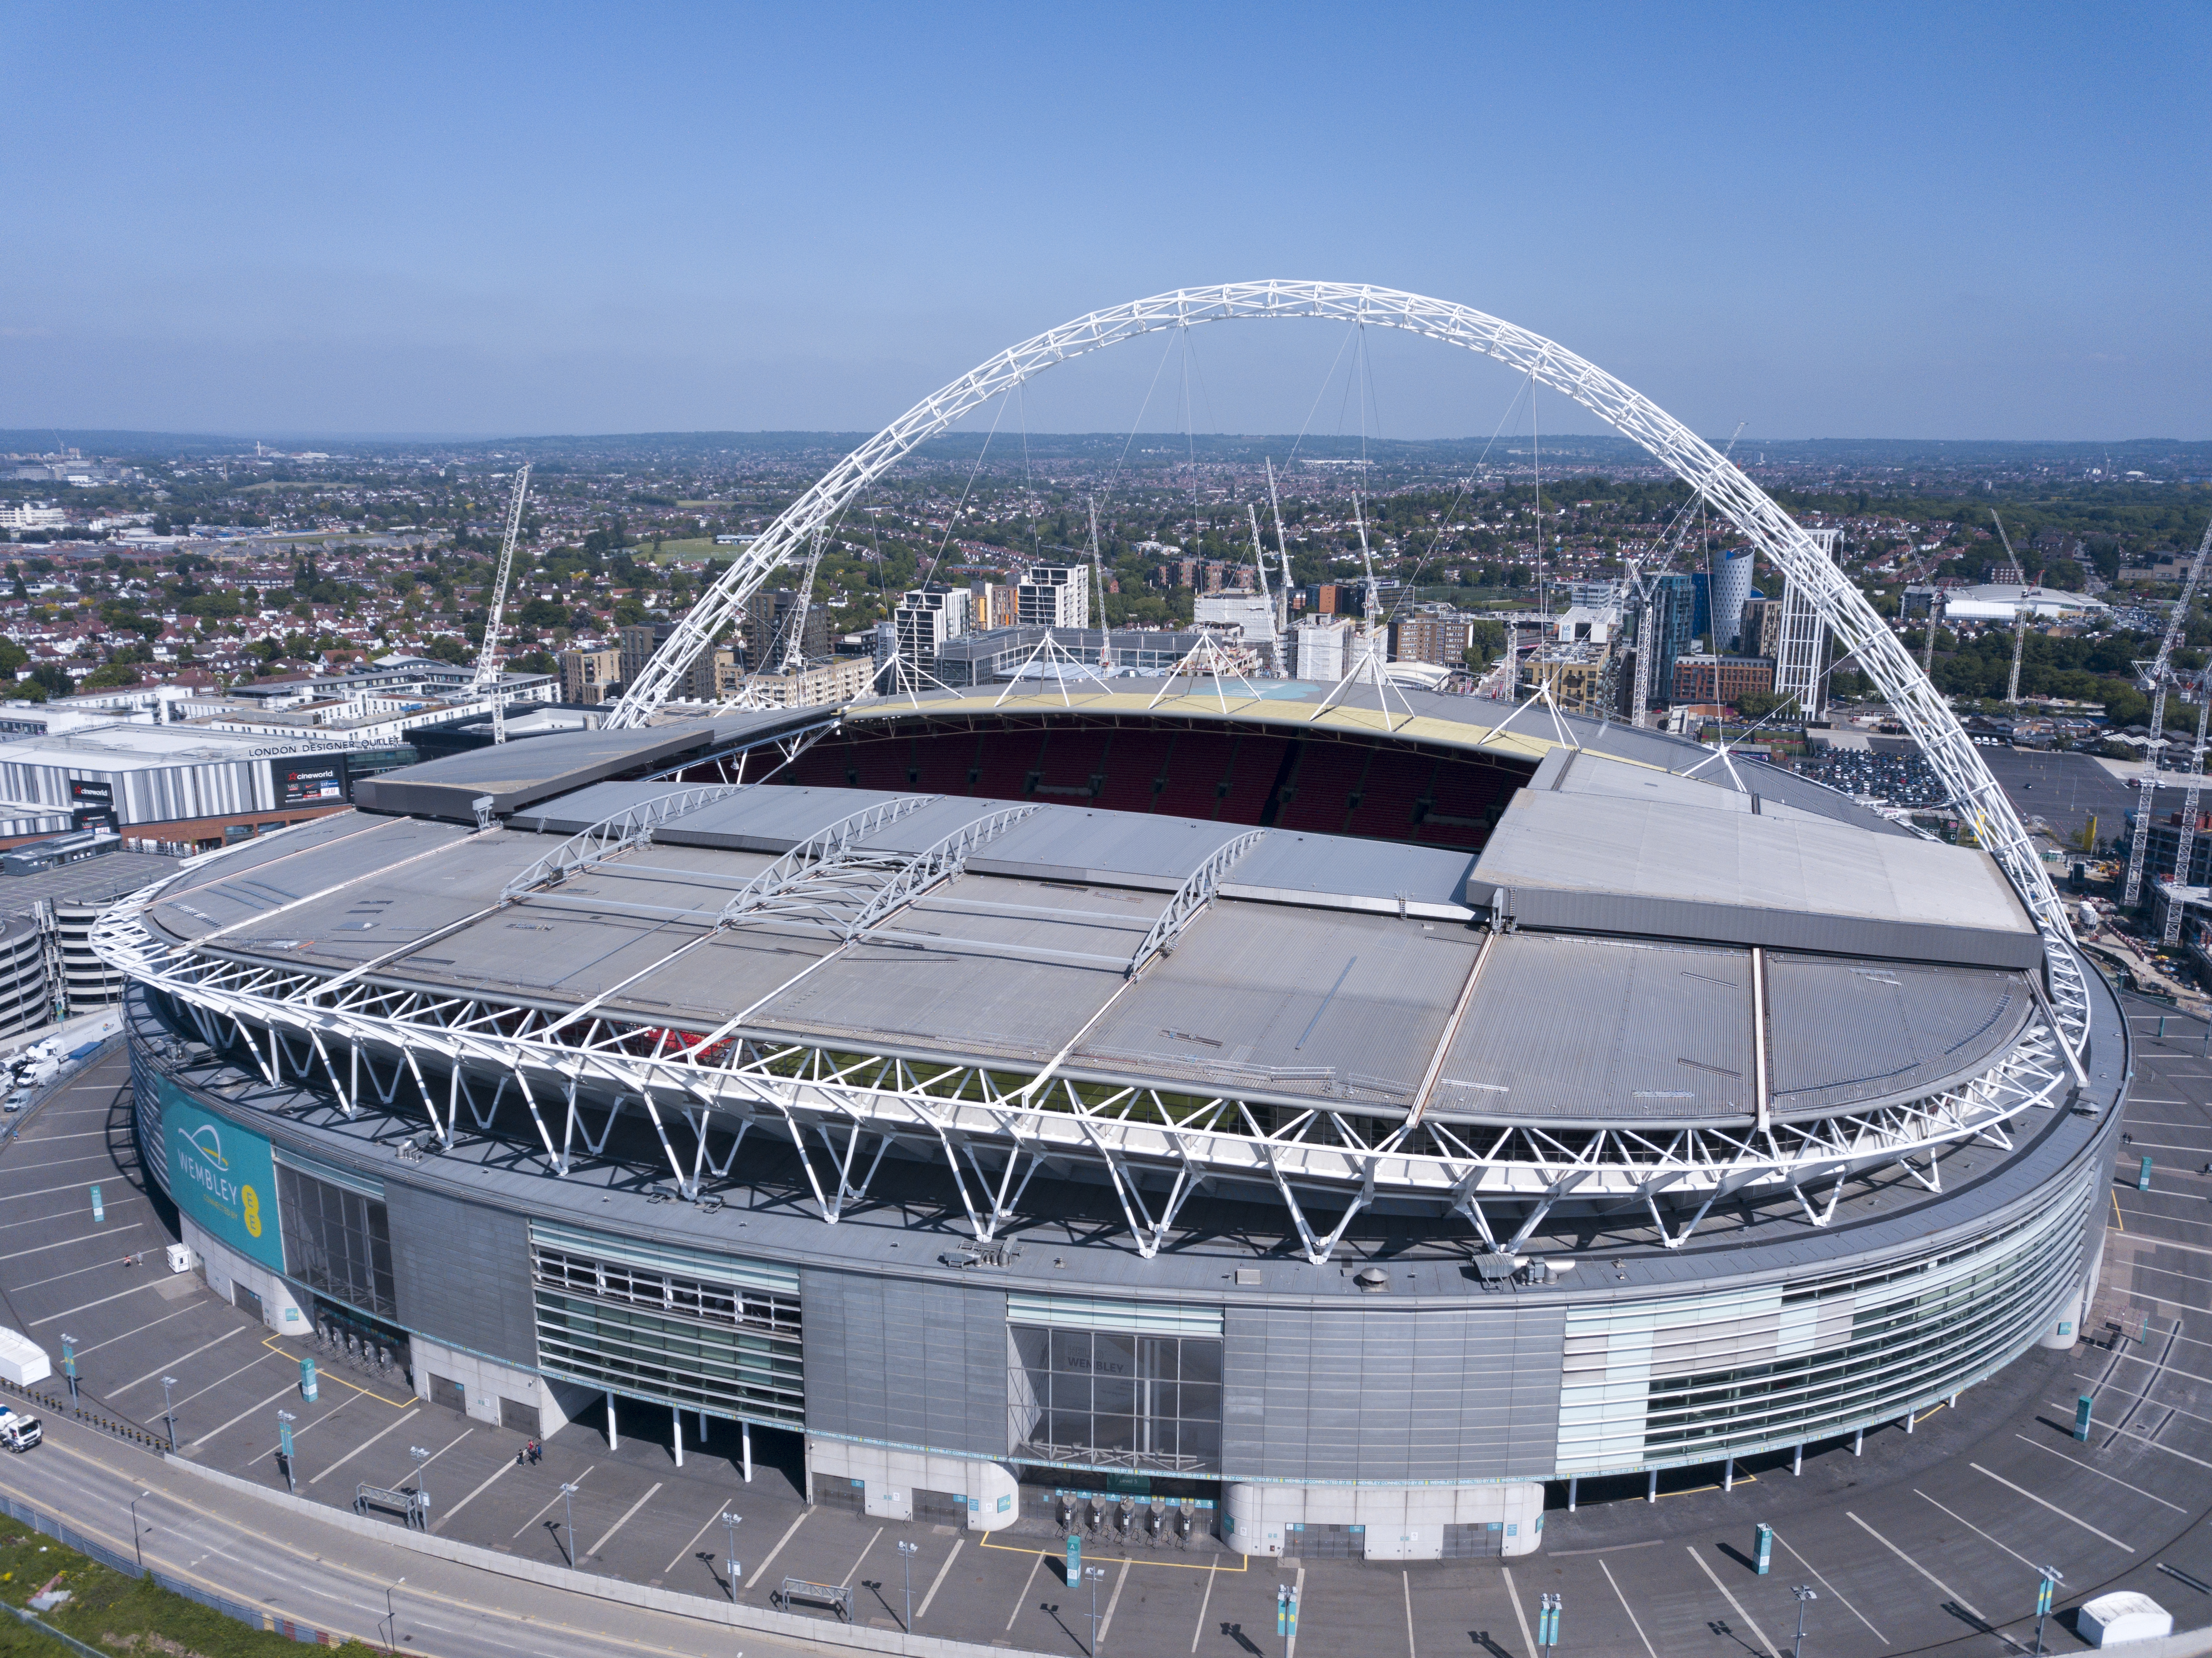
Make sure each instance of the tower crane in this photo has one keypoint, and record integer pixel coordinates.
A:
(2019, 612)
(2186, 844)
(487, 677)
(1259, 563)
(794, 627)
(2159, 674)
(1282, 614)
(1643, 593)
(1098, 593)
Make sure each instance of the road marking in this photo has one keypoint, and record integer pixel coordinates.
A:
(2100, 1473)
(607, 1535)
(75, 1272)
(78, 1135)
(471, 1497)
(1625, 1607)
(1406, 1583)
(540, 1514)
(2053, 1507)
(720, 1508)
(2118, 1220)
(1911, 1562)
(289, 1387)
(2160, 1146)
(761, 1569)
(1827, 1585)
(81, 1237)
(922, 1610)
(2121, 1393)
(1204, 1601)
(1747, 1619)
(1021, 1600)
(305, 1427)
(319, 1479)
(72, 1312)
(855, 1566)
(1977, 1530)
(1115, 1600)
(1512, 1593)
(257, 1359)
(148, 1325)
(59, 1163)
(2163, 1243)
(45, 1190)
(406, 1401)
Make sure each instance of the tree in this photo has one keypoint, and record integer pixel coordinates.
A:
(447, 648)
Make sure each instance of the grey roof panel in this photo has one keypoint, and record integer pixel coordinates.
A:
(349, 847)
(1652, 868)
(1850, 1035)
(1564, 1030)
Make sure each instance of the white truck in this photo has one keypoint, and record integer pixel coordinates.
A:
(18, 1432)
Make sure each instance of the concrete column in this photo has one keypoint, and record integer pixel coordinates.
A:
(1574, 1488)
(746, 1429)
(1652, 1492)
(1908, 1422)
(702, 1430)
(676, 1415)
(1858, 1443)
(1727, 1475)
(1797, 1463)
(613, 1444)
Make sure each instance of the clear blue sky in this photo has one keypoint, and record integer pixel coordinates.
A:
(1920, 221)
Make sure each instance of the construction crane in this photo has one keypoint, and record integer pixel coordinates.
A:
(1282, 617)
(1643, 591)
(2186, 844)
(794, 629)
(2160, 674)
(486, 679)
(2019, 611)
(1260, 562)
(1099, 592)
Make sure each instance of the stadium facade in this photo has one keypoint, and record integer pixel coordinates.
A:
(1355, 1117)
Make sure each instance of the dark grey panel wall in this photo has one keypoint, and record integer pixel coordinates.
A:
(912, 1363)
(1376, 1393)
(461, 1273)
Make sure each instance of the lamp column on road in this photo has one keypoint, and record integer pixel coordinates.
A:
(2051, 1578)
(1804, 1594)
(169, 1409)
(137, 1547)
(907, 1552)
(69, 1366)
(392, 1617)
(731, 1521)
(1094, 1573)
(421, 1495)
(569, 1523)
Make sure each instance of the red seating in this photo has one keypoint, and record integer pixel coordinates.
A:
(1394, 779)
(1320, 790)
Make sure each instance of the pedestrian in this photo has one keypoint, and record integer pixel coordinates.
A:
(536, 1452)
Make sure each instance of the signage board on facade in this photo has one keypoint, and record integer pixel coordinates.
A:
(310, 782)
(223, 1176)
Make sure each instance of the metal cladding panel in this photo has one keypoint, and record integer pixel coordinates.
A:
(1310, 1003)
(923, 827)
(460, 1273)
(1847, 1034)
(1603, 1030)
(1373, 1392)
(905, 1362)
(1595, 864)
(767, 819)
(948, 973)
(520, 773)
(727, 973)
(571, 814)
(1578, 771)
(236, 889)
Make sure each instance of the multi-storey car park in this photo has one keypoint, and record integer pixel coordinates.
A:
(1352, 1116)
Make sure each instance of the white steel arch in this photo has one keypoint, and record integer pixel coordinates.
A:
(1975, 793)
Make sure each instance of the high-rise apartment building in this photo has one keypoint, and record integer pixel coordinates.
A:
(1801, 658)
(925, 618)
(766, 632)
(584, 675)
(1053, 595)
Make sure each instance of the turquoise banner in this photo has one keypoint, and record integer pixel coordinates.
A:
(223, 1176)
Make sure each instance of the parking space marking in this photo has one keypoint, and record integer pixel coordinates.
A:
(1750, 1622)
(289, 1387)
(85, 1307)
(137, 1329)
(720, 1509)
(220, 1380)
(1018, 1601)
(1631, 1611)
(2122, 1392)
(1977, 1530)
(44, 1191)
(74, 1134)
(936, 1582)
(865, 1547)
(1827, 1585)
(1244, 1561)
(1405, 1583)
(2100, 1473)
(60, 1163)
(1204, 1601)
(1950, 1592)
(1512, 1593)
(473, 1495)
(761, 1571)
(405, 1401)
(608, 1534)
(549, 1502)
(318, 1479)
(1115, 1600)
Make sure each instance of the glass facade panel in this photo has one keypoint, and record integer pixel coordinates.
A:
(336, 1242)
(666, 1336)
(1106, 1397)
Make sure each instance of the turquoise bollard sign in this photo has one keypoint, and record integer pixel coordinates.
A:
(307, 1380)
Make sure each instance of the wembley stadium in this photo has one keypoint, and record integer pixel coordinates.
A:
(1353, 1110)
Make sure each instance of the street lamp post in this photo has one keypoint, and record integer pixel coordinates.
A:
(1548, 1622)
(1094, 1573)
(1804, 1593)
(137, 1547)
(169, 1409)
(907, 1552)
(392, 1617)
(2051, 1578)
(568, 1525)
(1286, 1615)
(731, 1521)
(284, 1421)
(421, 1492)
(69, 1366)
